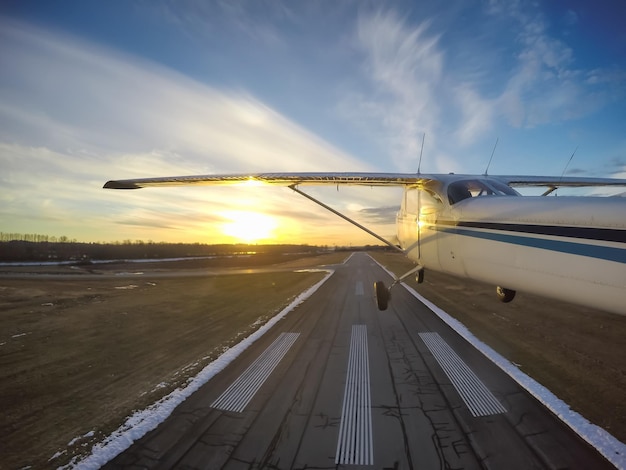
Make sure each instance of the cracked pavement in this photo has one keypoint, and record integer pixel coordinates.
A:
(419, 420)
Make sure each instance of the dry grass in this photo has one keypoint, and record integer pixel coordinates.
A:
(577, 353)
(80, 354)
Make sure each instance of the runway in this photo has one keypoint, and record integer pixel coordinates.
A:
(338, 384)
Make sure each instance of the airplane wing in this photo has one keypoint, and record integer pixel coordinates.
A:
(280, 179)
(363, 179)
(559, 182)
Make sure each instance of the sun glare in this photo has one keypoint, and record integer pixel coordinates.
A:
(249, 227)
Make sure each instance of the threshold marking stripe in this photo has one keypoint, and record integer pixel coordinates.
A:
(241, 391)
(359, 288)
(473, 391)
(354, 445)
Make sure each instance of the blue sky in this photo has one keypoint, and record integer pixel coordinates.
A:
(91, 91)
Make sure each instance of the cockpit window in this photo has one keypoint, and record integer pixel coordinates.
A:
(459, 190)
(503, 188)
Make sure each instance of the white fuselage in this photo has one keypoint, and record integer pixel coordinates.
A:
(569, 248)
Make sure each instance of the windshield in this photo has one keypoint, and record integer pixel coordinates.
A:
(460, 190)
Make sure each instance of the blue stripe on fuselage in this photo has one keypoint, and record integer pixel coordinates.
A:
(593, 251)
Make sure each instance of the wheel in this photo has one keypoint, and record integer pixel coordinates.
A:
(382, 295)
(505, 295)
(420, 276)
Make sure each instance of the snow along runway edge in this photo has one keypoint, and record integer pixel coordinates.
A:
(144, 421)
(610, 447)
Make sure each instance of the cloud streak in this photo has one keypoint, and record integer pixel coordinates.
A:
(421, 79)
(403, 65)
(544, 85)
(104, 100)
(114, 116)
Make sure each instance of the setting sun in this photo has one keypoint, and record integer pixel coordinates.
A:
(249, 227)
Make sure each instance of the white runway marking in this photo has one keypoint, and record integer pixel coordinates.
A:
(474, 393)
(600, 439)
(359, 288)
(241, 391)
(354, 446)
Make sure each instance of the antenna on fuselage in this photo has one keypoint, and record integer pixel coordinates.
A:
(554, 188)
(491, 158)
(419, 164)
(565, 169)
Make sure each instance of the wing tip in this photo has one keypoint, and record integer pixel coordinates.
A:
(120, 185)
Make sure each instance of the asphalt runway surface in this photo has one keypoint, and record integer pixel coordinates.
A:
(338, 384)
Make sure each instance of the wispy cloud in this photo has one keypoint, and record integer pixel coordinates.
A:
(421, 80)
(259, 21)
(477, 114)
(75, 115)
(380, 215)
(545, 86)
(570, 18)
(404, 65)
(106, 101)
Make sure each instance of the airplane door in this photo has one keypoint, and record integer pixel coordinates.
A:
(429, 209)
(447, 241)
(407, 223)
(416, 226)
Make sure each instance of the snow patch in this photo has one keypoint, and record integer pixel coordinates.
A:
(57, 455)
(159, 386)
(80, 438)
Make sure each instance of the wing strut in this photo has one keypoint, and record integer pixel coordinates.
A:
(381, 292)
(550, 190)
(346, 218)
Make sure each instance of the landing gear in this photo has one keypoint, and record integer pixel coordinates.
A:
(382, 295)
(505, 295)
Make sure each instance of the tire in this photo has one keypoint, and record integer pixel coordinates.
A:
(382, 295)
(505, 295)
(420, 276)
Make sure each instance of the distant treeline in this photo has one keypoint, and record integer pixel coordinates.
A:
(33, 237)
(21, 250)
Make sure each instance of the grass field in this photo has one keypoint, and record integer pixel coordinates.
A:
(577, 353)
(78, 355)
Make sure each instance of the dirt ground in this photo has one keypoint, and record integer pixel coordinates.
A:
(577, 353)
(80, 350)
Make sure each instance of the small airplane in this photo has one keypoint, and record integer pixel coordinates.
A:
(568, 248)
